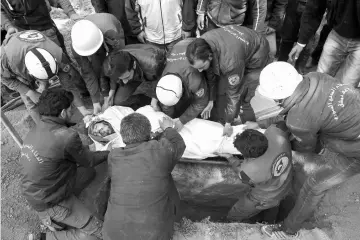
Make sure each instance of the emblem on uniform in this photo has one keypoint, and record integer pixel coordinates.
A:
(234, 79)
(280, 165)
(66, 67)
(200, 92)
(31, 36)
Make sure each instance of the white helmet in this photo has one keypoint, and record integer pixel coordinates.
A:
(278, 80)
(86, 38)
(40, 64)
(169, 90)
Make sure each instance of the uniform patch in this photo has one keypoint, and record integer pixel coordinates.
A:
(280, 165)
(234, 79)
(200, 92)
(31, 36)
(66, 68)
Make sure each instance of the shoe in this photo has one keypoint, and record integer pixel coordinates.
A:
(275, 231)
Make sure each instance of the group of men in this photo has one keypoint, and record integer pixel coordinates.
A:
(213, 77)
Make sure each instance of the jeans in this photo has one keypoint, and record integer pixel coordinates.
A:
(289, 34)
(71, 213)
(167, 47)
(339, 51)
(335, 169)
(319, 47)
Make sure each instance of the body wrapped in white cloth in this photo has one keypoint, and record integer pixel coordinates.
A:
(203, 138)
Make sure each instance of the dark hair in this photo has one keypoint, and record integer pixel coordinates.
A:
(135, 128)
(251, 143)
(198, 49)
(53, 101)
(117, 63)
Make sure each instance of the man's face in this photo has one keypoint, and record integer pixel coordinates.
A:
(127, 76)
(201, 65)
(101, 129)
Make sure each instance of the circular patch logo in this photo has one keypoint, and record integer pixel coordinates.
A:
(234, 79)
(280, 165)
(200, 92)
(31, 36)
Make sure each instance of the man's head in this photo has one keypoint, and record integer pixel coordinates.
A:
(199, 54)
(135, 128)
(55, 103)
(42, 66)
(102, 129)
(251, 143)
(120, 65)
(278, 80)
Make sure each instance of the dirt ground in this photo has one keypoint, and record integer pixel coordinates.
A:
(338, 214)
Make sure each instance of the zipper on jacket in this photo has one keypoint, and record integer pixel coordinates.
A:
(162, 20)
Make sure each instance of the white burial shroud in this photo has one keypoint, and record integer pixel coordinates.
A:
(203, 138)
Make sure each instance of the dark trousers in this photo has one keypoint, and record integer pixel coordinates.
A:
(124, 96)
(289, 34)
(335, 169)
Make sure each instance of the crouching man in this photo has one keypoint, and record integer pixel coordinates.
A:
(143, 200)
(267, 169)
(182, 91)
(30, 62)
(56, 168)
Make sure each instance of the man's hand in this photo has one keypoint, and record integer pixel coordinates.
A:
(154, 104)
(200, 21)
(228, 130)
(141, 37)
(178, 125)
(165, 123)
(84, 111)
(205, 114)
(75, 16)
(108, 102)
(269, 30)
(185, 34)
(251, 125)
(10, 31)
(97, 108)
(33, 95)
(295, 52)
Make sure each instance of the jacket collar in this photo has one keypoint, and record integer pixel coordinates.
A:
(55, 121)
(133, 145)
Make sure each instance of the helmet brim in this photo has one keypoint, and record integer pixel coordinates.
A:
(90, 51)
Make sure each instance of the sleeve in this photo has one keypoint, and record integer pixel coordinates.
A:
(5, 21)
(234, 78)
(212, 80)
(133, 16)
(99, 6)
(277, 14)
(267, 122)
(202, 7)
(9, 79)
(67, 7)
(80, 154)
(173, 139)
(115, 40)
(200, 99)
(188, 15)
(259, 10)
(89, 76)
(311, 19)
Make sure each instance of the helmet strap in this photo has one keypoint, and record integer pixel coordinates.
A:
(45, 64)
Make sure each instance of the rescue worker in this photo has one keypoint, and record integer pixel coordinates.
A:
(144, 201)
(92, 39)
(30, 62)
(324, 119)
(133, 72)
(55, 168)
(266, 168)
(235, 55)
(182, 91)
(19, 15)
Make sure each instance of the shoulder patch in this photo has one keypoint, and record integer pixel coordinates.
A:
(280, 165)
(234, 79)
(200, 92)
(31, 36)
(65, 68)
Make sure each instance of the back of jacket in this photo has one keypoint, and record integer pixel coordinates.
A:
(194, 83)
(143, 201)
(323, 109)
(48, 176)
